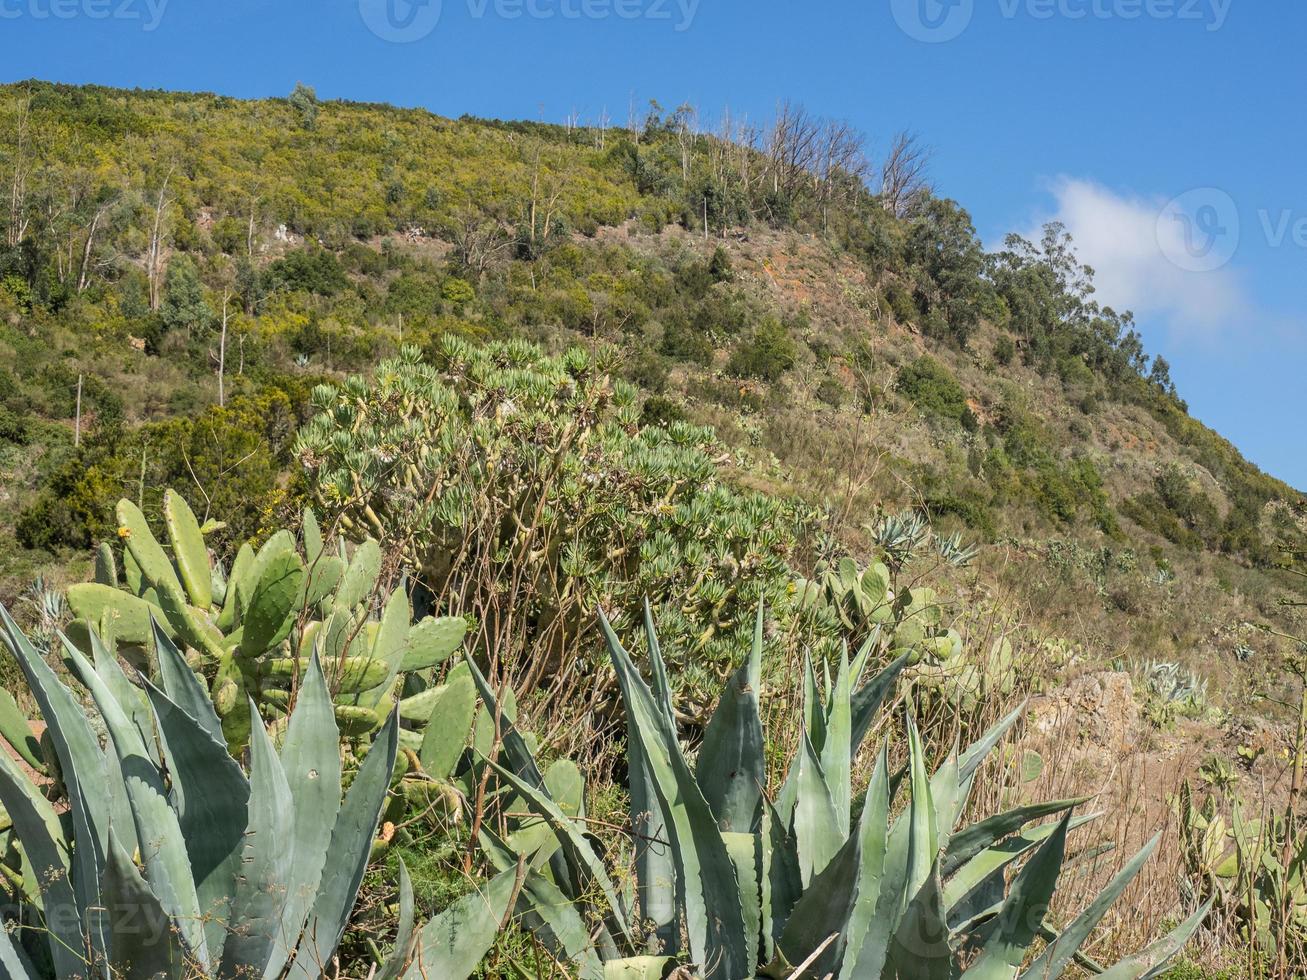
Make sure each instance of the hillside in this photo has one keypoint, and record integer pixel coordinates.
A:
(867, 361)
(270, 303)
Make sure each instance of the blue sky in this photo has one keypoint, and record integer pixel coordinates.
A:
(1099, 112)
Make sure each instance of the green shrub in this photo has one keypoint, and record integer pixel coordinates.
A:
(13, 428)
(508, 480)
(932, 389)
(765, 354)
(1005, 349)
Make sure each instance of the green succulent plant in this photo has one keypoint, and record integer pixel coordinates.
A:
(738, 885)
(253, 630)
(962, 680)
(849, 602)
(172, 859)
(1171, 691)
(499, 464)
(1254, 870)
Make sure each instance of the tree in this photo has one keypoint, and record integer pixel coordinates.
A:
(903, 175)
(184, 307)
(1160, 375)
(305, 101)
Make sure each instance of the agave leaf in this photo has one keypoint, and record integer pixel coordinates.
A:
(966, 844)
(152, 948)
(1152, 961)
(84, 771)
(534, 839)
(310, 758)
(662, 688)
(209, 793)
(920, 948)
(182, 686)
(867, 934)
(405, 934)
(452, 944)
(37, 827)
(836, 754)
(1019, 922)
(989, 864)
(158, 830)
(815, 823)
(1059, 953)
(261, 887)
(731, 769)
(655, 866)
(976, 754)
(579, 850)
(707, 888)
(13, 961)
(746, 854)
(947, 795)
(923, 830)
(910, 853)
(519, 754)
(188, 549)
(867, 700)
(350, 848)
(132, 698)
(824, 909)
(561, 926)
(640, 968)
(784, 881)
(814, 715)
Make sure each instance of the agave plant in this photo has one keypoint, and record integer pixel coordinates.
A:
(172, 860)
(738, 885)
(252, 631)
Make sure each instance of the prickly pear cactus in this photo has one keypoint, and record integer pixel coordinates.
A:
(251, 631)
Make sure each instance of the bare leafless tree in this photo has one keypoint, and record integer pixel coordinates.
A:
(154, 257)
(479, 241)
(841, 165)
(904, 174)
(792, 148)
(21, 166)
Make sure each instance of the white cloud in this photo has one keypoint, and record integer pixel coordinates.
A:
(1133, 256)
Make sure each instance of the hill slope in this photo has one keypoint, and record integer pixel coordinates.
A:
(863, 354)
